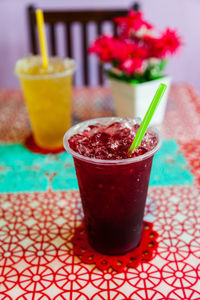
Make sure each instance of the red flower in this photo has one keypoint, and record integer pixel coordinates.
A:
(104, 47)
(170, 40)
(167, 44)
(123, 50)
(128, 49)
(130, 23)
(110, 49)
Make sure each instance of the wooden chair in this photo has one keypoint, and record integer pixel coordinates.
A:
(68, 18)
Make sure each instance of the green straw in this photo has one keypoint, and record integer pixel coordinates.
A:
(149, 114)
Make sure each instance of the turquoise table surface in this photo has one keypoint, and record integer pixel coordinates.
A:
(22, 170)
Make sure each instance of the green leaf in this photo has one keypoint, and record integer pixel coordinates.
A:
(154, 71)
(163, 64)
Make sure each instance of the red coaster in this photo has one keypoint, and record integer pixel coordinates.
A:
(143, 253)
(32, 146)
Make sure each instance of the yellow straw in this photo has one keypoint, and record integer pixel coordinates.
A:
(42, 37)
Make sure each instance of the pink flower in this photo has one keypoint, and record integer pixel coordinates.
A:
(129, 56)
(131, 65)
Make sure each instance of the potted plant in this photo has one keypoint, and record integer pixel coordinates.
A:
(135, 60)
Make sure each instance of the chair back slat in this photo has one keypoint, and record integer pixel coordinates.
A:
(85, 54)
(100, 67)
(114, 29)
(82, 16)
(32, 30)
(53, 40)
(68, 44)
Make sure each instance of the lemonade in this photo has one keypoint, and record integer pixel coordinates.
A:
(47, 94)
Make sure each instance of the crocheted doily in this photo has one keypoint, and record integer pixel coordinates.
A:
(32, 146)
(144, 252)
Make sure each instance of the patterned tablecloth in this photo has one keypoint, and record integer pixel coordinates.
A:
(40, 209)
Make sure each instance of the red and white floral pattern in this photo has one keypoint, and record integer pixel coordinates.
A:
(37, 278)
(37, 260)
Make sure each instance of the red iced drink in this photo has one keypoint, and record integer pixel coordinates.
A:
(113, 186)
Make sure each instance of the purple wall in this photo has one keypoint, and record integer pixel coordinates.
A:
(181, 14)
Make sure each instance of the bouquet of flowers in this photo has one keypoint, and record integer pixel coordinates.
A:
(138, 53)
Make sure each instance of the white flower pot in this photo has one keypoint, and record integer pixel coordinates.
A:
(132, 100)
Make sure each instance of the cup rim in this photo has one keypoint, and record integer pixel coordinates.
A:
(72, 130)
(46, 76)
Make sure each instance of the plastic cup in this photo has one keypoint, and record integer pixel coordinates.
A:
(113, 194)
(48, 100)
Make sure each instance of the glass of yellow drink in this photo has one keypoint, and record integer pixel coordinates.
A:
(47, 94)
